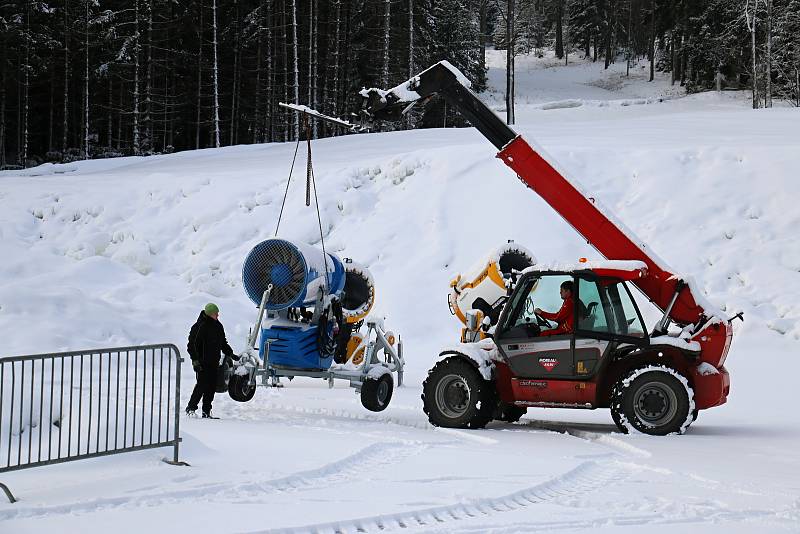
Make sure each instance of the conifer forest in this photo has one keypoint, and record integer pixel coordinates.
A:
(83, 79)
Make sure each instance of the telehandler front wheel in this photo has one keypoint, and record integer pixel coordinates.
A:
(455, 395)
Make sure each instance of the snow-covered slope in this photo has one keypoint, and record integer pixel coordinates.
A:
(126, 251)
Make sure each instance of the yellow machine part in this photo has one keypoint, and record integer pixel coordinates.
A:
(355, 353)
(490, 274)
(355, 349)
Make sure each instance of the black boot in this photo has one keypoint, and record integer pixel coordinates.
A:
(207, 415)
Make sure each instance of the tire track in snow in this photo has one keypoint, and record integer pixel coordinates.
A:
(607, 439)
(786, 517)
(336, 472)
(419, 423)
(586, 477)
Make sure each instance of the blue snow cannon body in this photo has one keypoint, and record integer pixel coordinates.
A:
(297, 273)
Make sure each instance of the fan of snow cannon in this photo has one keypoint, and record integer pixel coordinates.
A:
(484, 286)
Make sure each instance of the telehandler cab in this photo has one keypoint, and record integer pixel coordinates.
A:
(653, 382)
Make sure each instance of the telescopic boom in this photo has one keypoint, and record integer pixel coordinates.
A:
(674, 295)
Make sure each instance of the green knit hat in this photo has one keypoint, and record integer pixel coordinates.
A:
(211, 309)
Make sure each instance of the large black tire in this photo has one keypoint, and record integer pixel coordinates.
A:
(455, 395)
(509, 412)
(652, 400)
(240, 389)
(377, 392)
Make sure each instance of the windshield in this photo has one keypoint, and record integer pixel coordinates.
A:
(541, 293)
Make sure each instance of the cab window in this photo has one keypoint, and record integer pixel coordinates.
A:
(626, 320)
(593, 307)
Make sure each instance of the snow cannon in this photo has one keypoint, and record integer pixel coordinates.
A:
(484, 287)
(296, 272)
(311, 306)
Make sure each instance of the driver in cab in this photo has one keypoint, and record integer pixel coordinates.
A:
(564, 316)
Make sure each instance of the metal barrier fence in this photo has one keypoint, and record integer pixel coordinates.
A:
(69, 406)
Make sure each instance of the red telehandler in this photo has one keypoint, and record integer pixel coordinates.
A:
(654, 382)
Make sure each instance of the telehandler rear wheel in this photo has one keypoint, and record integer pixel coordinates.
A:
(654, 400)
(455, 395)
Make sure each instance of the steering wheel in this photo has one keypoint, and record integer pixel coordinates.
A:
(541, 321)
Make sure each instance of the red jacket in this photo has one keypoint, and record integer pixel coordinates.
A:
(565, 317)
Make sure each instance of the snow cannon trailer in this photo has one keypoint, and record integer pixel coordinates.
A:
(654, 382)
(311, 307)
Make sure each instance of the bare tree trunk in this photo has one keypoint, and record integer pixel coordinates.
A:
(50, 124)
(752, 21)
(652, 48)
(65, 132)
(296, 81)
(559, 29)
(136, 145)
(336, 48)
(510, 45)
(27, 68)
(768, 59)
(684, 45)
(199, 80)
(119, 114)
(258, 130)
(312, 67)
(236, 76)
(628, 52)
(587, 51)
(149, 142)
(315, 93)
(565, 30)
(110, 131)
(216, 74)
(411, 36)
(270, 76)
(386, 35)
(287, 128)
(86, 86)
(3, 102)
(609, 16)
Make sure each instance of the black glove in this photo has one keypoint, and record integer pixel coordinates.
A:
(197, 366)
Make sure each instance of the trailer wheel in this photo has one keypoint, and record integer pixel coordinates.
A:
(240, 389)
(510, 413)
(455, 395)
(652, 400)
(377, 392)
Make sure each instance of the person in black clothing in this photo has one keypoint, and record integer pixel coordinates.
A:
(206, 343)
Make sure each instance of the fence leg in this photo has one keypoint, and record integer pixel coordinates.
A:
(8, 493)
(175, 460)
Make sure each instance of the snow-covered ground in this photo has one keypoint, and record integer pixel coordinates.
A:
(126, 251)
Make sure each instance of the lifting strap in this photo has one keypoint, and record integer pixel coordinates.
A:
(310, 183)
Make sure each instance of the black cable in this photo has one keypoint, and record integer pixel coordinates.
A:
(285, 194)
